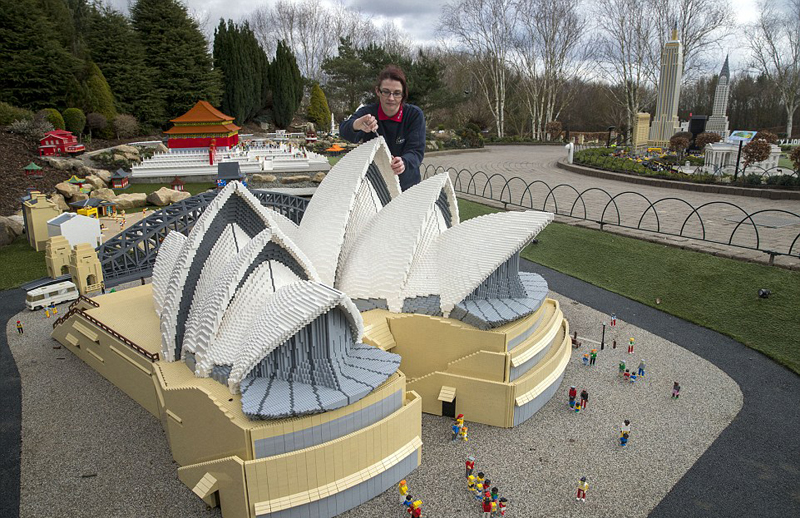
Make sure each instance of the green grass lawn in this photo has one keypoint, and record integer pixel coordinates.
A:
(333, 159)
(714, 292)
(784, 161)
(19, 263)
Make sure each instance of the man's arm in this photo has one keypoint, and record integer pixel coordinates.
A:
(346, 130)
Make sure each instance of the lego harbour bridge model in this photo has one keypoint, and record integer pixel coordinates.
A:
(289, 363)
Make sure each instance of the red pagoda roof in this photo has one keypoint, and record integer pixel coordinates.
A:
(203, 112)
(61, 134)
(203, 130)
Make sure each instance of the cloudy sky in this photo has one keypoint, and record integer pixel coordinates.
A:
(417, 18)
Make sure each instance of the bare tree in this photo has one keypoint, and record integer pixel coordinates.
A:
(625, 50)
(775, 44)
(702, 25)
(550, 56)
(485, 29)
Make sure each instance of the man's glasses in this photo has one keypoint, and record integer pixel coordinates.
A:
(388, 93)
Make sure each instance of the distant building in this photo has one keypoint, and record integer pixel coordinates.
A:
(641, 129)
(93, 207)
(228, 172)
(201, 125)
(718, 122)
(76, 228)
(59, 142)
(119, 180)
(665, 121)
(37, 210)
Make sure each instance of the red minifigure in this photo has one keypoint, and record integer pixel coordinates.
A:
(487, 507)
(582, 488)
(416, 509)
(573, 393)
(613, 319)
(630, 346)
(584, 398)
(503, 505)
(470, 465)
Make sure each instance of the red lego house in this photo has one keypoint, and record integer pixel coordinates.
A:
(60, 142)
(202, 125)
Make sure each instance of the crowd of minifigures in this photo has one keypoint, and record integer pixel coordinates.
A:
(481, 489)
(412, 507)
(459, 430)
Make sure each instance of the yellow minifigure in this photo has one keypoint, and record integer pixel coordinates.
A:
(463, 433)
(403, 488)
(471, 484)
(47, 312)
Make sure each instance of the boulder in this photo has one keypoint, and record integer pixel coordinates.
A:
(103, 175)
(126, 150)
(263, 178)
(161, 197)
(61, 164)
(95, 181)
(296, 178)
(161, 148)
(60, 202)
(180, 196)
(9, 230)
(67, 190)
(318, 177)
(130, 200)
(103, 193)
(79, 196)
(18, 218)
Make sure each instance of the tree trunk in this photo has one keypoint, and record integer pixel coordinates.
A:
(789, 119)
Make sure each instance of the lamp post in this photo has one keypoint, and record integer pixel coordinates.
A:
(608, 142)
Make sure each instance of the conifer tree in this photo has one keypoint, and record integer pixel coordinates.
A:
(287, 86)
(318, 111)
(177, 51)
(74, 120)
(243, 63)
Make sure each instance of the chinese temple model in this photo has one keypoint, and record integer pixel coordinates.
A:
(201, 126)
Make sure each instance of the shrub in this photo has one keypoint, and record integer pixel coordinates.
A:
(752, 179)
(794, 156)
(784, 180)
(96, 122)
(318, 111)
(33, 129)
(766, 135)
(74, 120)
(125, 126)
(53, 117)
(554, 128)
(9, 114)
(705, 139)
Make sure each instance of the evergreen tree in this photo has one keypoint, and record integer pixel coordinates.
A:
(318, 111)
(287, 86)
(243, 64)
(177, 51)
(116, 49)
(348, 81)
(99, 98)
(37, 70)
(74, 120)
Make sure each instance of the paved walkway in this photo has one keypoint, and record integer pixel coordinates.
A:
(775, 230)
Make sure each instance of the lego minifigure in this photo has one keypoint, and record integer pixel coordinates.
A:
(480, 478)
(455, 429)
(416, 509)
(478, 491)
(464, 433)
(586, 359)
(627, 375)
(584, 398)
(20, 330)
(622, 368)
(676, 390)
(402, 487)
(626, 427)
(593, 357)
(495, 494)
(487, 484)
(572, 395)
(613, 319)
(630, 346)
(623, 439)
(577, 407)
(494, 508)
(487, 507)
(408, 502)
(503, 505)
(53, 308)
(633, 377)
(582, 488)
(460, 420)
(46, 312)
(470, 465)
(471, 484)
(641, 368)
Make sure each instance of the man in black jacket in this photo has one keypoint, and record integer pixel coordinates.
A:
(402, 125)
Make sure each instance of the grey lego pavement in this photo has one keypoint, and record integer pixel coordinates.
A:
(531, 163)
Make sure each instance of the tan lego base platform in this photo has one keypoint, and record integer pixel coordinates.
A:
(318, 465)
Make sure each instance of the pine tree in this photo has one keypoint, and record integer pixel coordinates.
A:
(37, 70)
(287, 86)
(242, 62)
(116, 49)
(74, 120)
(99, 98)
(177, 51)
(318, 111)
(349, 82)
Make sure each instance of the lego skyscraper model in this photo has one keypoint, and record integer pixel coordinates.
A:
(665, 123)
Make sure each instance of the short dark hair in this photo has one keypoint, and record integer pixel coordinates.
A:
(394, 73)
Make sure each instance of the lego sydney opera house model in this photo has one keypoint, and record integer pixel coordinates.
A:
(289, 364)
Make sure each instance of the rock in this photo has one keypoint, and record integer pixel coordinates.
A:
(431, 145)
(16, 226)
(161, 148)
(67, 190)
(130, 200)
(61, 164)
(18, 218)
(79, 196)
(180, 196)
(318, 177)
(125, 150)
(296, 178)
(9, 230)
(60, 202)
(103, 194)
(96, 182)
(161, 197)
(103, 174)
(264, 178)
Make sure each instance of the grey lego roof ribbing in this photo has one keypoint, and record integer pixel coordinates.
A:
(62, 218)
(491, 313)
(120, 173)
(725, 72)
(229, 171)
(91, 202)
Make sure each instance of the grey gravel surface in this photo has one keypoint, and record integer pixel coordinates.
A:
(89, 450)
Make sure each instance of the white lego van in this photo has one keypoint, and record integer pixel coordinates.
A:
(51, 294)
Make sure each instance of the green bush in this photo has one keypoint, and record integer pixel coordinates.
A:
(751, 179)
(784, 180)
(9, 114)
(318, 111)
(74, 120)
(52, 116)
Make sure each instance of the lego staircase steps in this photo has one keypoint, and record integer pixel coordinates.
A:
(379, 335)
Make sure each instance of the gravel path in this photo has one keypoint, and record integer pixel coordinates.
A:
(71, 466)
